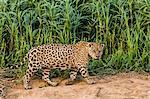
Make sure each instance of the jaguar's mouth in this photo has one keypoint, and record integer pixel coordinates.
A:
(98, 58)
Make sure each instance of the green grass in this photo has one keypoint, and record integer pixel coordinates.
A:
(122, 25)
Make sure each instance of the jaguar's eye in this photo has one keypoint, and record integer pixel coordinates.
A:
(94, 51)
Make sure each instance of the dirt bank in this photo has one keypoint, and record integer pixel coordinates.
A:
(120, 86)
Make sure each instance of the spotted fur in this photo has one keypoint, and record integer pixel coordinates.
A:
(74, 57)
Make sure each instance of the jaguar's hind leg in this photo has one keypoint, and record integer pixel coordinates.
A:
(45, 77)
(29, 73)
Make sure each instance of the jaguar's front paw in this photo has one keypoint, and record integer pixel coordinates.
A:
(69, 82)
(90, 81)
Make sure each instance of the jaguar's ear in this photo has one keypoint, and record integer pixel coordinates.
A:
(102, 46)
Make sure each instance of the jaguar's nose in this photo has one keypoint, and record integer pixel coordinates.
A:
(98, 56)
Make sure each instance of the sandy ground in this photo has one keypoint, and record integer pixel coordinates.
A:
(120, 86)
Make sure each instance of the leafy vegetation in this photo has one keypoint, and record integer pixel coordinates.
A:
(122, 25)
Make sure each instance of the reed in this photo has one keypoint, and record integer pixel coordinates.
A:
(122, 25)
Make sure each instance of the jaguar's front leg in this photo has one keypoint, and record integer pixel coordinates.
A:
(84, 73)
(73, 75)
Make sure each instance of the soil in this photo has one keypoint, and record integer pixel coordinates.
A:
(121, 86)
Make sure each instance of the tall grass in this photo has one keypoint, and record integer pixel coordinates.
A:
(122, 25)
